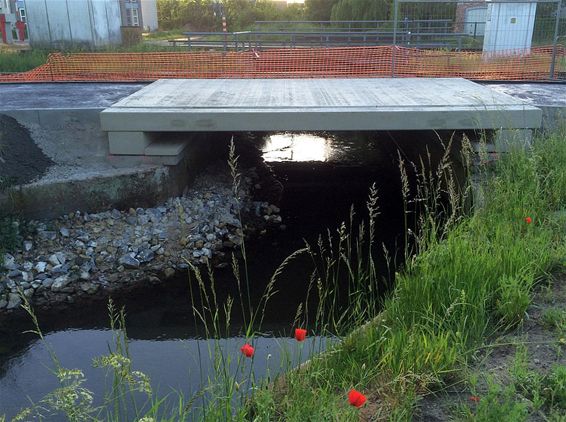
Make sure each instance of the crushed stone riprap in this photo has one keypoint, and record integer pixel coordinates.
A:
(83, 254)
(21, 160)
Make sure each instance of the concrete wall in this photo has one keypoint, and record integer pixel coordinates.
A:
(149, 13)
(92, 23)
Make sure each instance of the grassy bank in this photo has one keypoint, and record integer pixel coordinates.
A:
(449, 300)
(468, 276)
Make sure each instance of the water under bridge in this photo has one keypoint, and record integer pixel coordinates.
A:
(228, 105)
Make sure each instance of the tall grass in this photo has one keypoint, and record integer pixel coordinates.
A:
(466, 282)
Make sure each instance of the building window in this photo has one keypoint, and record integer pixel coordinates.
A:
(133, 17)
(22, 15)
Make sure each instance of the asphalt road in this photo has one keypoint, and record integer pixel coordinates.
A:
(102, 95)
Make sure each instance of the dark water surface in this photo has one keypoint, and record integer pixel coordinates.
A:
(322, 176)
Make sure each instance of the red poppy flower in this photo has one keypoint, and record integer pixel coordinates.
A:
(475, 399)
(300, 334)
(356, 398)
(528, 220)
(248, 350)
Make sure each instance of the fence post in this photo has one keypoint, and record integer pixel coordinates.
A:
(555, 39)
(395, 17)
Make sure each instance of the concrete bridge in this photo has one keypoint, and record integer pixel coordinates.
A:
(135, 123)
(64, 120)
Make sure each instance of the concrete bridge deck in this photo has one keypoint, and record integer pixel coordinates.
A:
(209, 105)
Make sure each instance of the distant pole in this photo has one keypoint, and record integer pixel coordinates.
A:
(395, 17)
(225, 30)
(555, 40)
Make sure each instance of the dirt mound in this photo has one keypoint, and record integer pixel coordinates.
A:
(21, 160)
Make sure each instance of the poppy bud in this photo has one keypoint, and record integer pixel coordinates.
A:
(528, 220)
(300, 334)
(248, 350)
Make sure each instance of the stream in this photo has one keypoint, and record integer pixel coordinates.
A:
(322, 176)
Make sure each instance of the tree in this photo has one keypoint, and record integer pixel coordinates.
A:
(319, 10)
(361, 10)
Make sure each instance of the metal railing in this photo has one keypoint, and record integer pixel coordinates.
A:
(247, 40)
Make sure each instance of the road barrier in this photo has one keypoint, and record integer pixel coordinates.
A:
(346, 62)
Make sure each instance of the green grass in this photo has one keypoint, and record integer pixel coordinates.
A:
(526, 392)
(21, 61)
(450, 297)
(165, 35)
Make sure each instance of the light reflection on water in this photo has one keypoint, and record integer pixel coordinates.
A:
(178, 365)
(304, 147)
(296, 147)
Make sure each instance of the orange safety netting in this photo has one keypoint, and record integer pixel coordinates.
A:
(383, 61)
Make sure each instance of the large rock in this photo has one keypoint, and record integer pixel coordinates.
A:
(10, 262)
(146, 255)
(89, 288)
(40, 266)
(60, 283)
(129, 262)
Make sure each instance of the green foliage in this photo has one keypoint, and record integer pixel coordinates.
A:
(319, 10)
(362, 10)
(21, 61)
(554, 318)
(198, 15)
(514, 298)
(498, 404)
(554, 388)
(542, 390)
(191, 15)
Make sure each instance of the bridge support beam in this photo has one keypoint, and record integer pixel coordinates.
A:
(128, 143)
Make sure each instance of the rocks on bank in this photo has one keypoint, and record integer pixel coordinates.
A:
(84, 254)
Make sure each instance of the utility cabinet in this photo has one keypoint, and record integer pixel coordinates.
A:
(509, 27)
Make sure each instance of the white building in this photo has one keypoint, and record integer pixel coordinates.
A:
(92, 23)
(149, 13)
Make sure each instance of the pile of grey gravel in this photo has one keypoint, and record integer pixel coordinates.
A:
(83, 254)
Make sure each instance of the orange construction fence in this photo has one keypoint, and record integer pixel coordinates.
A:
(351, 62)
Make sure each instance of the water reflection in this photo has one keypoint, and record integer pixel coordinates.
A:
(296, 147)
(344, 147)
